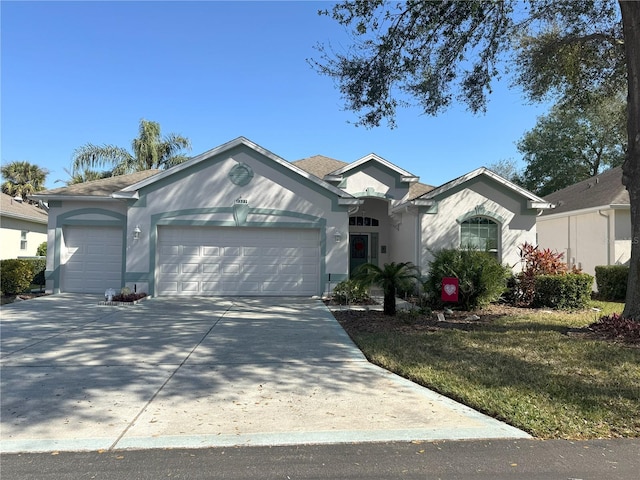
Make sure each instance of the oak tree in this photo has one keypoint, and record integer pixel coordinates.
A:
(431, 53)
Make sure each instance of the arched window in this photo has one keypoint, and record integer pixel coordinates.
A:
(480, 233)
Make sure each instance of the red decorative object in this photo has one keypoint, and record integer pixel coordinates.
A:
(449, 289)
(359, 245)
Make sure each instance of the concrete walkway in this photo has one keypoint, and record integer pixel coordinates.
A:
(200, 372)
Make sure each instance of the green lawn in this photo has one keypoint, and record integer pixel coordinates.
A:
(525, 368)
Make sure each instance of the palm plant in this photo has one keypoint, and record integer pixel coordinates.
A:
(84, 175)
(391, 277)
(22, 179)
(150, 151)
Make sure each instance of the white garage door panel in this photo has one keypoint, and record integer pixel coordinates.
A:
(92, 259)
(237, 261)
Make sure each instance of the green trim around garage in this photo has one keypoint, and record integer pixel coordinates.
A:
(66, 219)
(169, 218)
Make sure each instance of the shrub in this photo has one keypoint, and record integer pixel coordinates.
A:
(481, 278)
(612, 281)
(535, 262)
(128, 296)
(42, 250)
(15, 276)
(570, 291)
(350, 291)
(615, 326)
(38, 266)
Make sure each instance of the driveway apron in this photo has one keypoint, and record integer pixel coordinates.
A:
(201, 372)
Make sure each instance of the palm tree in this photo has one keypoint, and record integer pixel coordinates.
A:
(84, 175)
(22, 179)
(150, 150)
(391, 277)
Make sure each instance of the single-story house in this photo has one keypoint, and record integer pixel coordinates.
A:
(239, 220)
(591, 223)
(23, 227)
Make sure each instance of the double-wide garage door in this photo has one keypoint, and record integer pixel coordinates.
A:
(237, 261)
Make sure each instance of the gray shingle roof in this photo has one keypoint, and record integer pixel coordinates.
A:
(319, 165)
(100, 188)
(13, 208)
(599, 191)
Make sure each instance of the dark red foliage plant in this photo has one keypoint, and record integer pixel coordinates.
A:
(617, 327)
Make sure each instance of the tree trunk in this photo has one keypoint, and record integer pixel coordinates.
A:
(631, 168)
(389, 303)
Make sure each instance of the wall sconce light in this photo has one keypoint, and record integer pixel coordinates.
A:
(337, 237)
(136, 232)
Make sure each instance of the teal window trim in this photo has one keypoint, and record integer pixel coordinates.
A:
(479, 212)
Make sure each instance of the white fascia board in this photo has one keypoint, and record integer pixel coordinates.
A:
(417, 202)
(409, 179)
(372, 156)
(540, 205)
(571, 213)
(480, 171)
(82, 198)
(126, 195)
(333, 178)
(350, 201)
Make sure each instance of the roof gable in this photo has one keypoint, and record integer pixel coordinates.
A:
(600, 191)
(166, 175)
(533, 200)
(374, 159)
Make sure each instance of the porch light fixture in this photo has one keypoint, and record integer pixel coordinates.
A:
(136, 232)
(337, 237)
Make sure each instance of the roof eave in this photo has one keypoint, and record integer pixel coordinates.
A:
(540, 205)
(88, 198)
(17, 216)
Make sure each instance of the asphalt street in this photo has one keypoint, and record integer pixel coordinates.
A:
(449, 460)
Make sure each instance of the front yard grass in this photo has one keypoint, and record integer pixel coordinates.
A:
(540, 371)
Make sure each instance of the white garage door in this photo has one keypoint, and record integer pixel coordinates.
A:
(237, 261)
(91, 259)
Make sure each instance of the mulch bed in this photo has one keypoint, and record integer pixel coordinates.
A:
(412, 322)
(354, 321)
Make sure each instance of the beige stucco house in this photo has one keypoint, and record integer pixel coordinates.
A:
(23, 227)
(591, 222)
(239, 220)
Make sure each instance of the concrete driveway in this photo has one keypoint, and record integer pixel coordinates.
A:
(200, 372)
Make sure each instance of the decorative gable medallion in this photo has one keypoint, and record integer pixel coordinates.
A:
(241, 174)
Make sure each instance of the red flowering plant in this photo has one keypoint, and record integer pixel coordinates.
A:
(536, 261)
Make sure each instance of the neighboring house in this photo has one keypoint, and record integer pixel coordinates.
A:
(591, 223)
(23, 227)
(239, 220)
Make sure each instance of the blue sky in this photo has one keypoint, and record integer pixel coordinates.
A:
(79, 72)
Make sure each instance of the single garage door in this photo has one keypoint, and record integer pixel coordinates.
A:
(237, 261)
(92, 259)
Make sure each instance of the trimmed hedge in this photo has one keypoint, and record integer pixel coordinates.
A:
(569, 291)
(38, 266)
(15, 276)
(612, 282)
